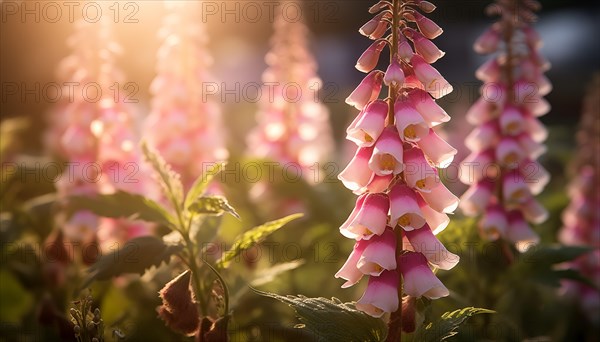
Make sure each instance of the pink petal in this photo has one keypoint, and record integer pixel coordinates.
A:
(404, 208)
(476, 198)
(419, 280)
(426, 106)
(379, 255)
(370, 124)
(437, 150)
(349, 270)
(423, 241)
(409, 122)
(369, 59)
(441, 199)
(387, 155)
(367, 91)
(418, 173)
(381, 295)
(357, 174)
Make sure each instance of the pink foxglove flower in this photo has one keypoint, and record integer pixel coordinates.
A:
(295, 129)
(97, 137)
(581, 218)
(185, 124)
(402, 203)
(501, 170)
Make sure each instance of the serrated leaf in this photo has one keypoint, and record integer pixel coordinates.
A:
(212, 205)
(269, 274)
(169, 180)
(331, 320)
(445, 327)
(136, 256)
(201, 183)
(253, 236)
(123, 204)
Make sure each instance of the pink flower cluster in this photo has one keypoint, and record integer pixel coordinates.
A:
(98, 137)
(502, 170)
(293, 125)
(401, 203)
(184, 126)
(582, 217)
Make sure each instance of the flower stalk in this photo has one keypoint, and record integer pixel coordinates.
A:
(401, 202)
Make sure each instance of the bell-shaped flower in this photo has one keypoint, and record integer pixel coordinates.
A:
(381, 295)
(434, 83)
(533, 211)
(369, 59)
(349, 270)
(426, 106)
(436, 220)
(410, 124)
(423, 46)
(511, 121)
(436, 149)
(379, 255)
(477, 197)
(394, 75)
(536, 129)
(476, 166)
(509, 153)
(418, 173)
(494, 224)
(489, 71)
(404, 208)
(405, 51)
(532, 148)
(368, 218)
(441, 199)
(482, 137)
(370, 124)
(514, 188)
(371, 26)
(427, 26)
(519, 232)
(423, 241)
(538, 106)
(480, 112)
(418, 278)
(377, 184)
(387, 154)
(367, 91)
(537, 177)
(488, 41)
(357, 173)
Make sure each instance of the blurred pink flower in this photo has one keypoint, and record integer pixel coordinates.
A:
(508, 137)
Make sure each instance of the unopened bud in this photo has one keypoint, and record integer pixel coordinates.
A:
(427, 6)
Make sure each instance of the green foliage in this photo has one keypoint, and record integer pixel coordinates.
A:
(169, 180)
(212, 205)
(445, 327)
(122, 204)
(201, 183)
(269, 274)
(331, 320)
(15, 301)
(136, 256)
(253, 236)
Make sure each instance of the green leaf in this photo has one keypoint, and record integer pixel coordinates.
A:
(267, 275)
(122, 204)
(446, 326)
(331, 320)
(212, 205)
(136, 256)
(169, 180)
(253, 236)
(15, 301)
(553, 254)
(201, 183)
